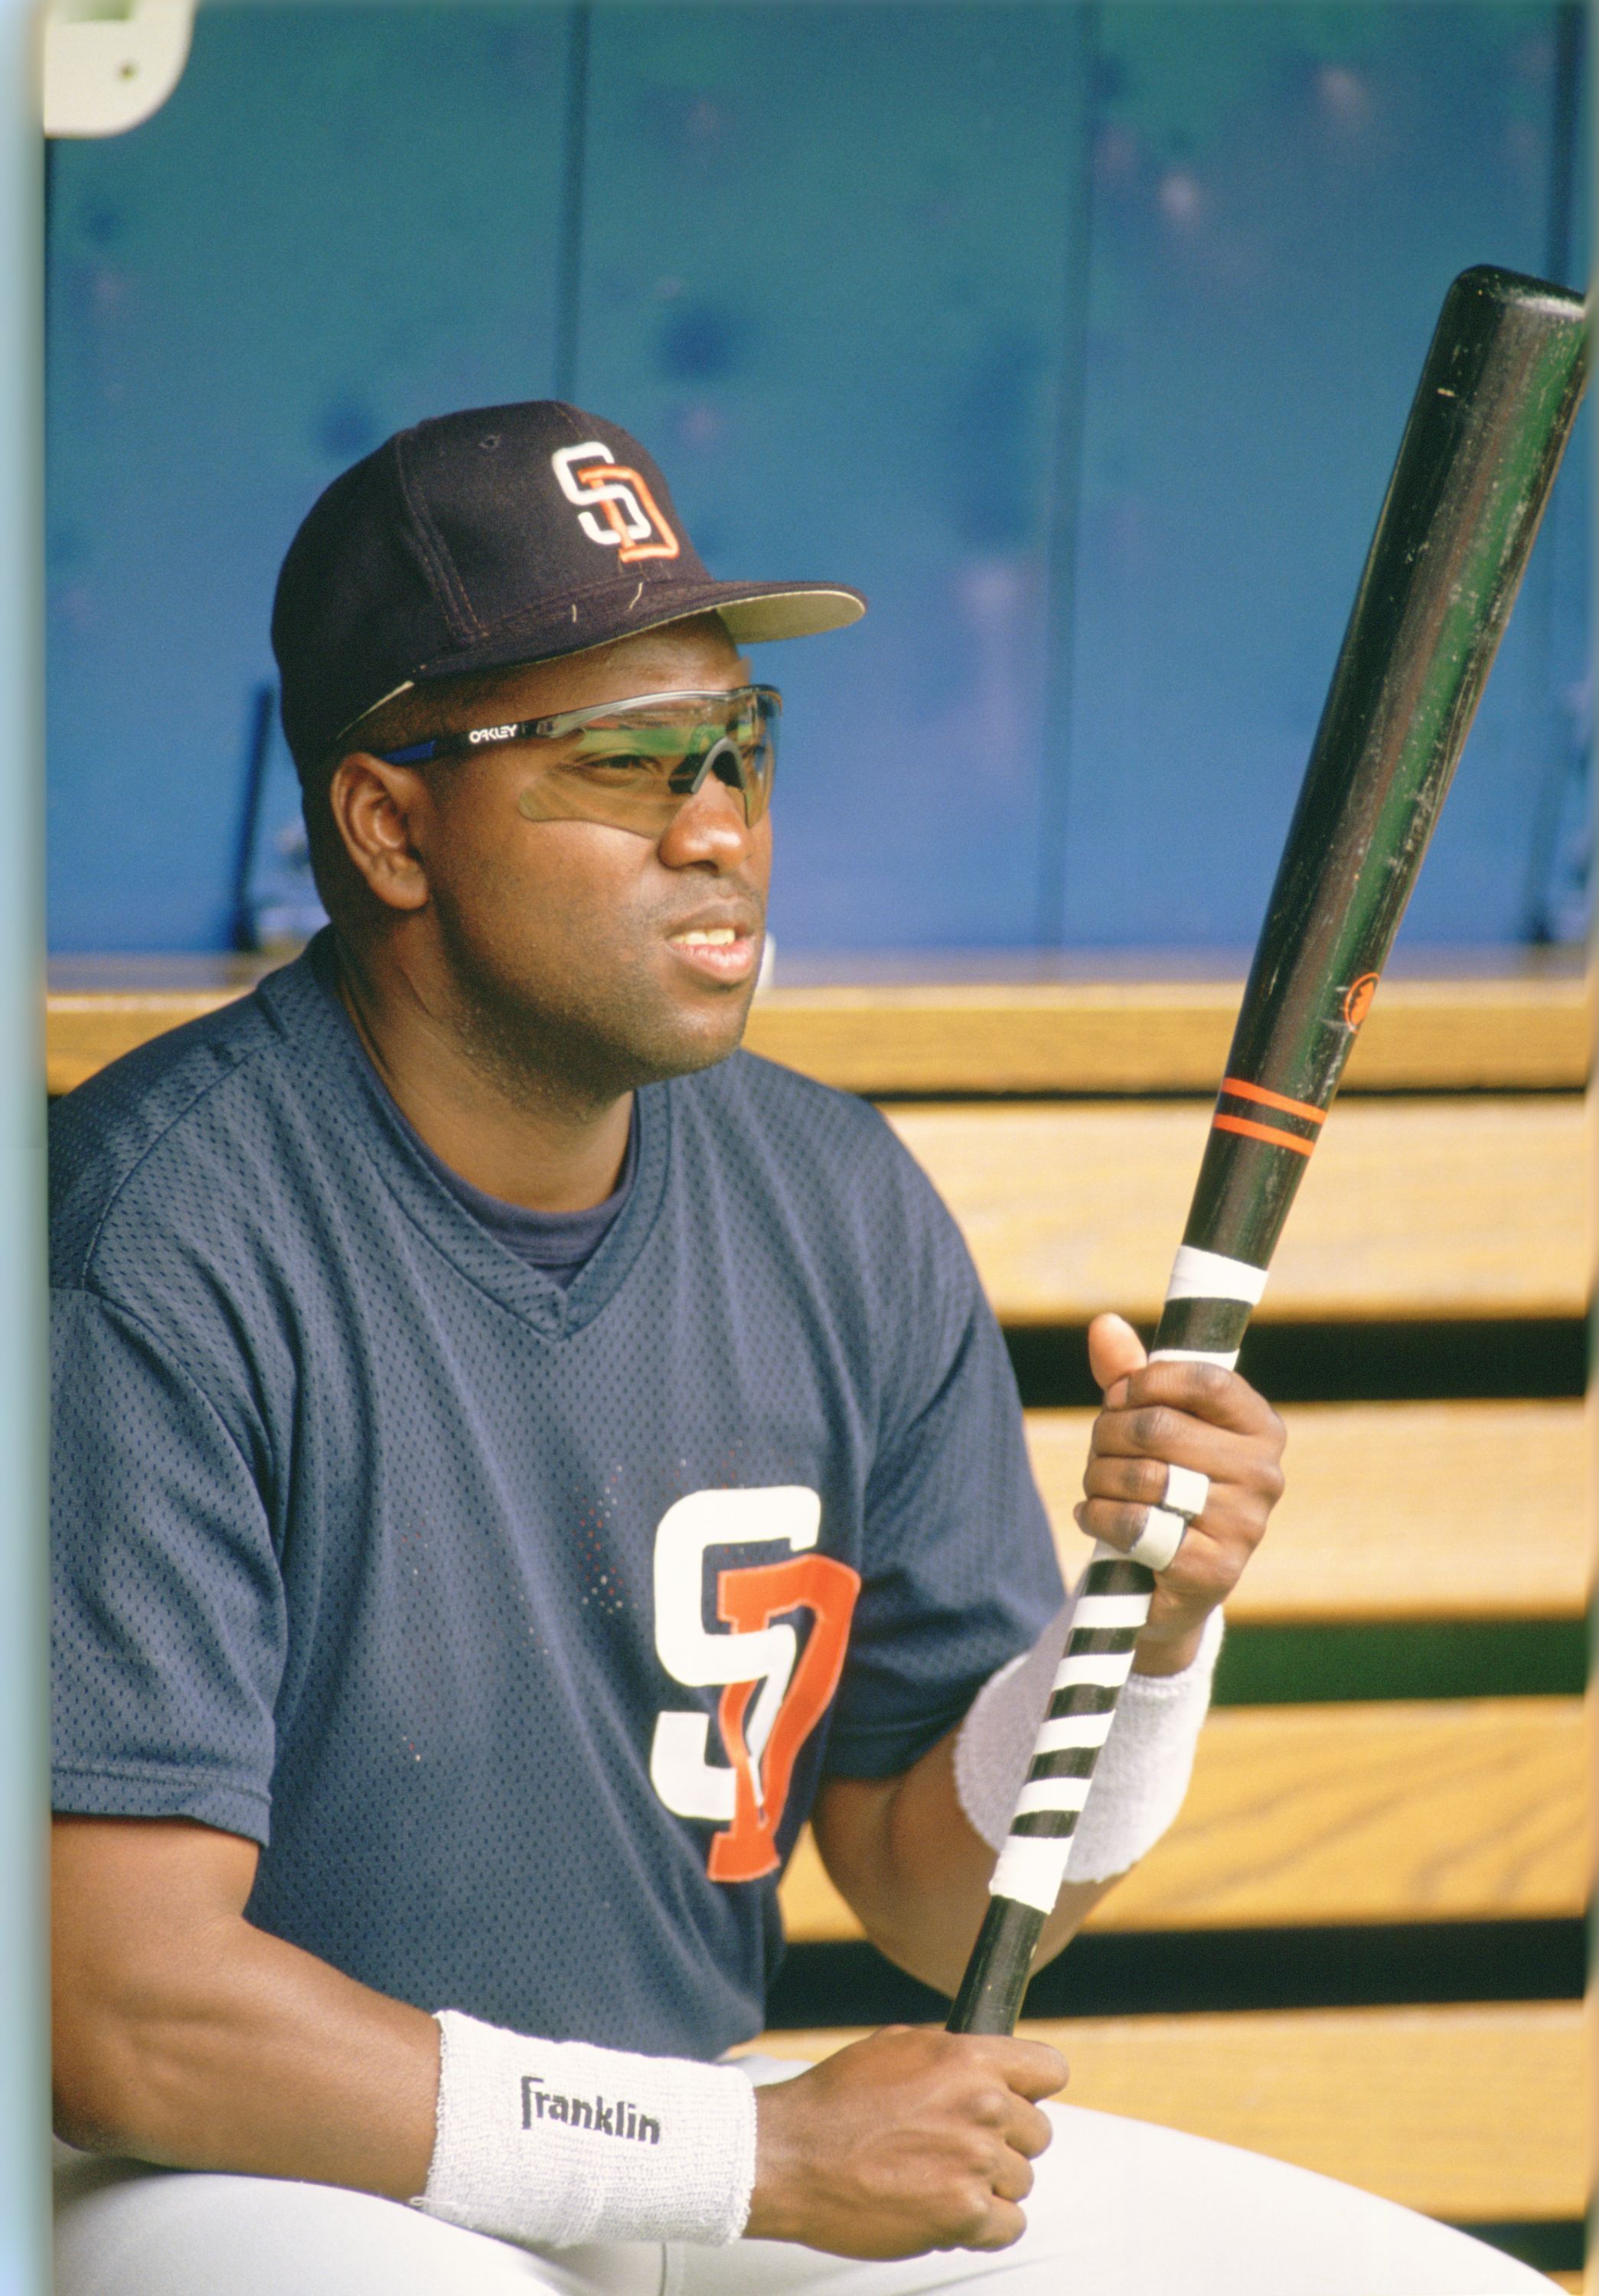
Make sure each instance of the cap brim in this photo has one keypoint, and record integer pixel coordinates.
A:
(752, 611)
(798, 612)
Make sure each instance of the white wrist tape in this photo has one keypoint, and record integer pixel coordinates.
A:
(1143, 1767)
(1143, 1772)
(550, 2143)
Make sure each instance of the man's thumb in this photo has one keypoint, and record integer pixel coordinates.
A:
(1114, 1350)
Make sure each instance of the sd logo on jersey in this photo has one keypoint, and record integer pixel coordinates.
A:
(775, 1694)
(616, 509)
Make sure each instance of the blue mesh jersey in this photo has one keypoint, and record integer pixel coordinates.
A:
(517, 1624)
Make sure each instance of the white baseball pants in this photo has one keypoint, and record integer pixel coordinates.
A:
(1121, 2208)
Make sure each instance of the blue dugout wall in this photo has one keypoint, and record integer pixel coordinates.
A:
(1080, 337)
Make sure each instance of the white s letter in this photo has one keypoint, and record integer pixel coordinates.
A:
(612, 490)
(686, 1783)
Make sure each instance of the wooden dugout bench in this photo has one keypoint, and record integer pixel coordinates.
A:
(1062, 1118)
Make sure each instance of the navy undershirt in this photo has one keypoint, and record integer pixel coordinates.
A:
(559, 1244)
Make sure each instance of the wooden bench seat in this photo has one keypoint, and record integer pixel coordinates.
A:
(1144, 1025)
(1431, 1810)
(1146, 1029)
(1416, 1208)
(1425, 1208)
(1394, 1511)
(1474, 2114)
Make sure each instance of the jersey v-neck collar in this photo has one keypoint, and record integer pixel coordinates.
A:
(304, 999)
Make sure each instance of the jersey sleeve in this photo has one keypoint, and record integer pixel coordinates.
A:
(169, 1614)
(961, 1569)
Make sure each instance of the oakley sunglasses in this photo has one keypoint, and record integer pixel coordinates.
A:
(632, 764)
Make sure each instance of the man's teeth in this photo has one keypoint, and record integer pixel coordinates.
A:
(717, 936)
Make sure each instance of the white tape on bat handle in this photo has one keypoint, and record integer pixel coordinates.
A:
(1197, 1274)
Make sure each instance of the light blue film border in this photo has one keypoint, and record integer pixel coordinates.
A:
(24, 1992)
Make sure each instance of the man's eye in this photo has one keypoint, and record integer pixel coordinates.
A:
(620, 762)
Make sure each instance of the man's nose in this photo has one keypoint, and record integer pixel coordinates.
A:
(709, 829)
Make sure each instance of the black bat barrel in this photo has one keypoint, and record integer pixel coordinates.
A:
(1496, 403)
(1491, 415)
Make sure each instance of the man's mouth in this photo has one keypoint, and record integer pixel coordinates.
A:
(716, 952)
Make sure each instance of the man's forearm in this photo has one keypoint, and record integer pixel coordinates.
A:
(914, 1869)
(216, 2046)
(268, 2064)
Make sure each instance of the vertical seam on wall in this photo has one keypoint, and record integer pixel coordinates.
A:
(1568, 68)
(1065, 501)
(569, 276)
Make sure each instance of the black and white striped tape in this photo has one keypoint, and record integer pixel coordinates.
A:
(1212, 1296)
(1208, 1304)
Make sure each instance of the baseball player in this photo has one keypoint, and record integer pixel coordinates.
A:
(516, 1459)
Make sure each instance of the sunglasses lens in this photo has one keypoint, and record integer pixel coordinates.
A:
(634, 766)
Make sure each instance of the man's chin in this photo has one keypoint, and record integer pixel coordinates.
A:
(681, 1046)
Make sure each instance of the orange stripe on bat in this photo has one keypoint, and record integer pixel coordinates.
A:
(1237, 1089)
(1267, 1132)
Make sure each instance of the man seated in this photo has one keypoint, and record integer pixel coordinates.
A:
(517, 1458)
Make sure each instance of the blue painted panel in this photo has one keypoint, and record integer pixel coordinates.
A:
(1282, 196)
(828, 275)
(1081, 338)
(342, 221)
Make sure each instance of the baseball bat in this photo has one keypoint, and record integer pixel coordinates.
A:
(1496, 403)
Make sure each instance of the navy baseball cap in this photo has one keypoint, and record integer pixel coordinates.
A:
(483, 539)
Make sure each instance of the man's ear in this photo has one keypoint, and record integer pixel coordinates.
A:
(373, 805)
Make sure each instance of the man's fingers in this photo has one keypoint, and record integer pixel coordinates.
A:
(1202, 1391)
(1207, 1563)
(1029, 2132)
(1115, 1350)
(1003, 2226)
(1133, 1476)
(1166, 1437)
(1013, 2178)
(1162, 1434)
(1110, 1524)
(908, 2140)
(1033, 2069)
(1170, 1414)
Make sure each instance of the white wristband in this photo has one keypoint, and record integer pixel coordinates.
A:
(550, 2143)
(1142, 1771)
(995, 1743)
